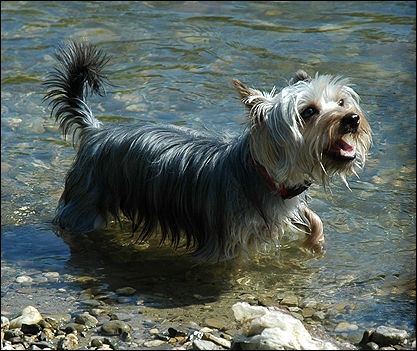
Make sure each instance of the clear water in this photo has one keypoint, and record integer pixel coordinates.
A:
(173, 63)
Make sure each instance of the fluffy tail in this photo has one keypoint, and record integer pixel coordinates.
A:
(80, 70)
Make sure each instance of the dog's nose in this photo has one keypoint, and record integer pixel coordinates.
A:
(350, 123)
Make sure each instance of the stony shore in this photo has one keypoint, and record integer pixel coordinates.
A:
(259, 327)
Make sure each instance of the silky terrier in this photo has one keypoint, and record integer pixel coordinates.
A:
(215, 193)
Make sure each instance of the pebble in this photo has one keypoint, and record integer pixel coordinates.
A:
(290, 300)
(24, 279)
(51, 274)
(31, 329)
(57, 320)
(5, 323)
(91, 302)
(126, 291)
(68, 342)
(153, 331)
(308, 312)
(217, 340)
(97, 312)
(386, 336)
(309, 302)
(86, 319)
(42, 344)
(205, 345)
(367, 335)
(29, 315)
(153, 343)
(345, 326)
(11, 333)
(47, 334)
(214, 323)
(123, 299)
(114, 327)
(372, 346)
(52, 277)
(319, 315)
(96, 342)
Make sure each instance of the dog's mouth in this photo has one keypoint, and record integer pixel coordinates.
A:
(343, 149)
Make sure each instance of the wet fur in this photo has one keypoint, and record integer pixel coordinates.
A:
(196, 185)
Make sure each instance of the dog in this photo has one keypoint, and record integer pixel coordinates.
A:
(216, 193)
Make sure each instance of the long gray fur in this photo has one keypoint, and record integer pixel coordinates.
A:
(194, 184)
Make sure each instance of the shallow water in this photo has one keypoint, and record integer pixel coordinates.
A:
(173, 63)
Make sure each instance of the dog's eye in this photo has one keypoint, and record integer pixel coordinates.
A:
(308, 112)
(341, 102)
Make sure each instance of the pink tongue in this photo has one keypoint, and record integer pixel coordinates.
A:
(345, 146)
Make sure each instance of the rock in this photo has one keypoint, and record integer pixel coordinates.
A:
(75, 328)
(114, 327)
(12, 333)
(153, 331)
(68, 342)
(386, 336)
(367, 335)
(97, 312)
(345, 326)
(123, 299)
(153, 343)
(52, 277)
(29, 315)
(7, 347)
(273, 329)
(51, 274)
(126, 291)
(205, 345)
(125, 336)
(217, 340)
(308, 312)
(46, 334)
(309, 302)
(43, 344)
(91, 303)
(57, 320)
(372, 346)
(319, 315)
(31, 329)
(214, 323)
(96, 342)
(24, 279)
(86, 319)
(5, 323)
(290, 300)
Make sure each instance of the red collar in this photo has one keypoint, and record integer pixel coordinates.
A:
(286, 193)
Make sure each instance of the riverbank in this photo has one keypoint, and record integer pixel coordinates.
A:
(255, 327)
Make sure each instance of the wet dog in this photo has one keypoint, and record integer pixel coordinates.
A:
(219, 193)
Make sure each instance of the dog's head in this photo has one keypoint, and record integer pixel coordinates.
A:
(310, 130)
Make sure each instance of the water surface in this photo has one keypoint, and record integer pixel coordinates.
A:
(172, 62)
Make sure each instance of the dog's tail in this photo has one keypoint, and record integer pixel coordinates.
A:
(80, 70)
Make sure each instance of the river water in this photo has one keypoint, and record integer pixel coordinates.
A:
(172, 62)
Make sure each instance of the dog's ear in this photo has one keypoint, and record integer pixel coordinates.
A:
(301, 75)
(254, 100)
(245, 93)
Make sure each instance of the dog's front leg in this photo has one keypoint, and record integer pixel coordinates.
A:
(316, 240)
